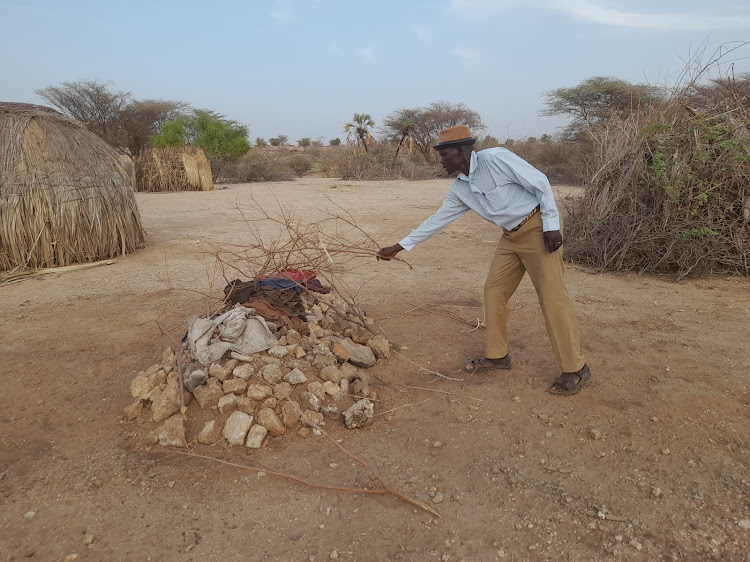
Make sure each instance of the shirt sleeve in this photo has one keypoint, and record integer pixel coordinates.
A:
(531, 179)
(450, 210)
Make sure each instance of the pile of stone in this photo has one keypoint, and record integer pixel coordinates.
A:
(298, 385)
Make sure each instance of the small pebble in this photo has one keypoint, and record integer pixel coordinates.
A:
(516, 399)
(744, 523)
(89, 539)
(437, 444)
(334, 555)
(618, 538)
(439, 497)
(656, 492)
(548, 435)
(596, 434)
(635, 544)
(29, 514)
(665, 451)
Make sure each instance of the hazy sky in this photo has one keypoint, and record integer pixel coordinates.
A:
(304, 67)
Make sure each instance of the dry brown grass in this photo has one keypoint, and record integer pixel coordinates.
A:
(172, 169)
(64, 197)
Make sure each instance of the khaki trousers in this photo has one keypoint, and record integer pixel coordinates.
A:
(519, 252)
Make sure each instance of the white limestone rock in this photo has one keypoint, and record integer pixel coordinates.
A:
(268, 419)
(170, 433)
(295, 376)
(210, 433)
(271, 374)
(255, 437)
(360, 414)
(244, 371)
(227, 403)
(236, 428)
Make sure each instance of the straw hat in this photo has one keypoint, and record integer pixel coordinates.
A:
(455, 136)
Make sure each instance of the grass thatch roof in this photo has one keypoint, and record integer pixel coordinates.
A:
(172, 169)
(64, 197)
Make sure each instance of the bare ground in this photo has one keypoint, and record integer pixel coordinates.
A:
(521, 473)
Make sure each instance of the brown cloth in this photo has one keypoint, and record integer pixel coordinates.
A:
(276, 305)
(279, 316)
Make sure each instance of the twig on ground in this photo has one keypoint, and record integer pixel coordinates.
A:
(377, 492)
(437, 375)
(405, 406)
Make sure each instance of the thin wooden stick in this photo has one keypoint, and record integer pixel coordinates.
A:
(431, 390)
(405, 406)
(378, 492)
(437, 375)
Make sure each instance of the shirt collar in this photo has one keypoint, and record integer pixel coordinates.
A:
(472, 167)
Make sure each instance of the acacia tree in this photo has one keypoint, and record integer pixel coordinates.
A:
(141, 120)
(422, 125)
(123, 122)
(278, 141)
(359, 130)
(94, 103)
(595, 100)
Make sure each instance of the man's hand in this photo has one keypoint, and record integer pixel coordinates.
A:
(389, 252)
(552, 240)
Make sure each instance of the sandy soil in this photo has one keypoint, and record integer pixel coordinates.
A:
(522, 476)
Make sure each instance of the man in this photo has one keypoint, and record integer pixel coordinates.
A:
(510, 193)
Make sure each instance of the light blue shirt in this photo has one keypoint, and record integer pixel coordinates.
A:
(501, 188)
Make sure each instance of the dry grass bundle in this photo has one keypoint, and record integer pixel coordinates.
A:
(670, 192)
(172, 169)
(64, 197)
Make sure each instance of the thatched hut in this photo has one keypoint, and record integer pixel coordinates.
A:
(172, 169)
(64, 197)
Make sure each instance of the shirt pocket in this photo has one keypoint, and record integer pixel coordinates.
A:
(497, 197)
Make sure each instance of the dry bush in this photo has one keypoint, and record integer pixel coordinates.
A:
(378, 164)
(299, 164)
(258, 165)
(669, 192)
(560, 161)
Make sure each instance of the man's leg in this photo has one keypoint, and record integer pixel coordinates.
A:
(546, 272)
(506, 272)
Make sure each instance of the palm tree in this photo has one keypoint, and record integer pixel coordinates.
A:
(359, 128)
(406, 129)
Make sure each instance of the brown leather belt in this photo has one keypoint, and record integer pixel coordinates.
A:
(525, 220)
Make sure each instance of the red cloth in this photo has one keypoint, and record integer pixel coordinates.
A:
(298, 275)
